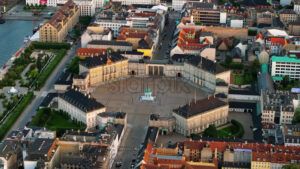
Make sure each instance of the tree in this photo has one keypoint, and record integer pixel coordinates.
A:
(291, 166)
(211, 131)
(285, 81)
(110, 50)
(85, 20)
(74, 66)
(297, 116)
(199, 23)
(228, 60)
(39, 64)
(33, 74)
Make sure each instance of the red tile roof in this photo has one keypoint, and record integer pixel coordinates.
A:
(278, 42)
(220, 146)
(189, 39)
(90, 51)
(133, 33)
(259, 36)
(145, 14)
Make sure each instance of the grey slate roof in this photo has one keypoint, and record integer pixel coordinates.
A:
(91, 62)
(81, 101)
(197, 61)
(112, 43)
(198, 107)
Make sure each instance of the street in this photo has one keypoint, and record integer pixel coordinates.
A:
(160, 52)
(49, 86)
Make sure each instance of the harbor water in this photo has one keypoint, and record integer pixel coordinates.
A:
(12, 34)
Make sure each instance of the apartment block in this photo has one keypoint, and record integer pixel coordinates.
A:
(95, 32)
(57, 28)
(210, 154)
(287, 16)
(277, 107)
(285, 66)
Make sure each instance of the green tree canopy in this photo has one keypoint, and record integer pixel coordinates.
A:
(291, 166)
(211, 131)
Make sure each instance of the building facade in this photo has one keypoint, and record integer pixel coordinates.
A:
(196, 116)
(81, 107)
(277, 108)
(95, 33)
(104, 68)
(115, 45)
(57, 28)
(287, 16)
(282, 66)
(87, 7)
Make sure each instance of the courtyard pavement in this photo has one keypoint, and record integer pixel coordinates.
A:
(124, 96)
(246, 120)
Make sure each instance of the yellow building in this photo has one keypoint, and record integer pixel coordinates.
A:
(104, 68)
(56, 29)
(133, 35)
(261, 165)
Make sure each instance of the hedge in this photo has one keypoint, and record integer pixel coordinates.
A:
(15, 114)
(240, 128)
(47, 72)
(51, 45)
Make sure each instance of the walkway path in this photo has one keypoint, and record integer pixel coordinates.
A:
(49, 85)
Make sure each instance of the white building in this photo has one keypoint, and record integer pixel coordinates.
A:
(297, 6)
(196, 116)
(87, 7)
(277, 108)
(236, 23)
(111, 118)
(282, 66)
(95, 33)
(178, 4)
(32, 2)
(147, 2)
(99, 3)
(133, 55)
(80, 107)
(114, 25)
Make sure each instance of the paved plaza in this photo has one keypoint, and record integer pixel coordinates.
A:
(125, 95)
(246, 120)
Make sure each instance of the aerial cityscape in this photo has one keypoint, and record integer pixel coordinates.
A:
(150, 84)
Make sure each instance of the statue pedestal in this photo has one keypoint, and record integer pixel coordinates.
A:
(147, 96)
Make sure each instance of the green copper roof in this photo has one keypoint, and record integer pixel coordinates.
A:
(264, 67)
(277, 78)
(284, 59)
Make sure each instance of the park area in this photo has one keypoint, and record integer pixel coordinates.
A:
(232, 129)
(54, 120)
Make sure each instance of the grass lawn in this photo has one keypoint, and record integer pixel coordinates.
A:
(235, 130)
(226, 132)
(54, 120)
(238, 79)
